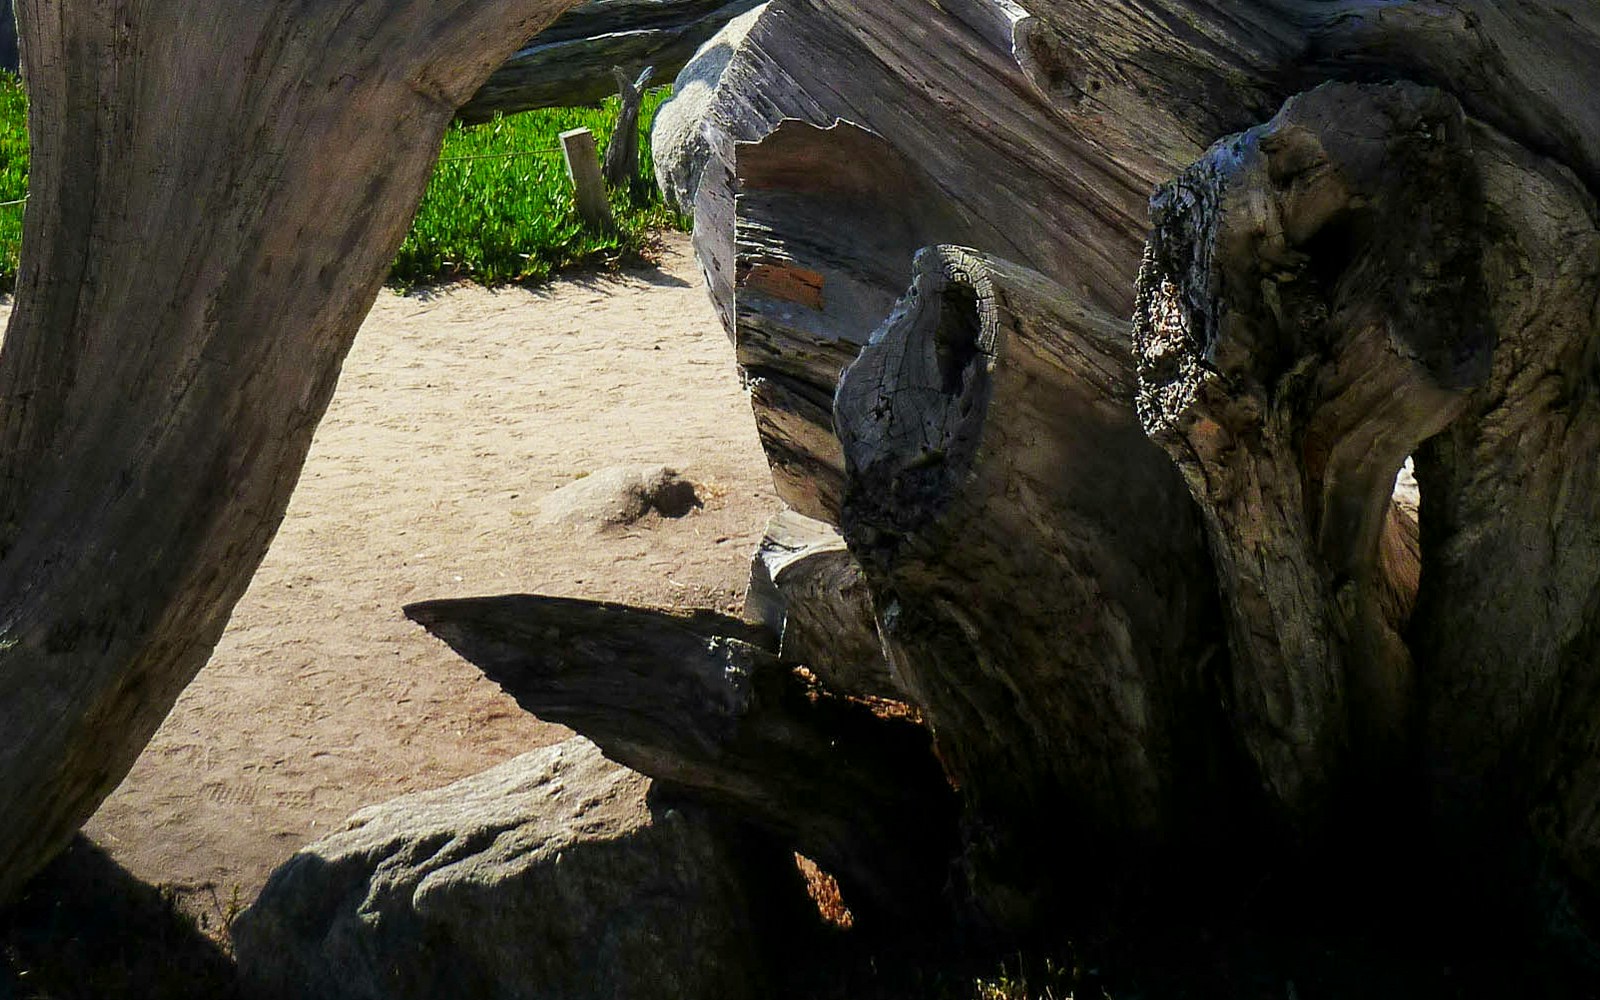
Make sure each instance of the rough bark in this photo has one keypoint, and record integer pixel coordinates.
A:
(1507, 629)
(1311, 310)
(208, 223)
(1040, 572)
(695, 701)
(570, 62)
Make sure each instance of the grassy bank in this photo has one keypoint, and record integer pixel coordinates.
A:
(13, 174)
(499, 207)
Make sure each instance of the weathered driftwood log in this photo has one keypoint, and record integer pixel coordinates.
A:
(1040, 571)
(808, 299)
(695, 701)
(154, 416)
(622, 155)
(570, 62)
(1327, 294)
(818, 255)
(1312, 310)
(809, 591)
(1324, 295)
(1071, 112)
(1507, 628)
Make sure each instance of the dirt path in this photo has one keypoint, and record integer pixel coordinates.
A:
(457, 411)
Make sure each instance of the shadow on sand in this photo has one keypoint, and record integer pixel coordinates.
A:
(86, 928)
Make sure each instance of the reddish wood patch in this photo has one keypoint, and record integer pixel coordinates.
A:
(791, 284)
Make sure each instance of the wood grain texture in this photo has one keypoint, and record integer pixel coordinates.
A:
(1071, 112)
(1506, 626)
(809, 591)
(216, 194)
(1039, 570)
(1311, 310)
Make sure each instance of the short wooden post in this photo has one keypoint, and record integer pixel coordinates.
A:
(583, 166)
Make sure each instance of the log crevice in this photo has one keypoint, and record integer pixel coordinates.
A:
(1312, 309)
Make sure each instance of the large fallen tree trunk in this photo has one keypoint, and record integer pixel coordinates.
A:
(1128, 579)
(1072, 113)
(570, 63)
(208, 223)
(1376, 273)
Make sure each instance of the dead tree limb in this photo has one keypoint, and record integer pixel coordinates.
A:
(569, 63)
(622, 155)
(693, 700)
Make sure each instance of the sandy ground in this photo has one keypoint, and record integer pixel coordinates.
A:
(458, 410)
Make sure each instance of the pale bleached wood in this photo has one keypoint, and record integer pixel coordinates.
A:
(808, 591)
(1074, 112)
(808, 296)
(582, 157)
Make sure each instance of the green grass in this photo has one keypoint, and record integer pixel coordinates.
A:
(13, 174)
(499, 207)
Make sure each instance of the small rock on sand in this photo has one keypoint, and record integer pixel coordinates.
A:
(618, 496)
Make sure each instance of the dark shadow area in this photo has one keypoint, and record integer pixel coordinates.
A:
(604, 280)
(676, 498)
(86, 929)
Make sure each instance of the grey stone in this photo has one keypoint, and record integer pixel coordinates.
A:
(546, 877)
(618, 496)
